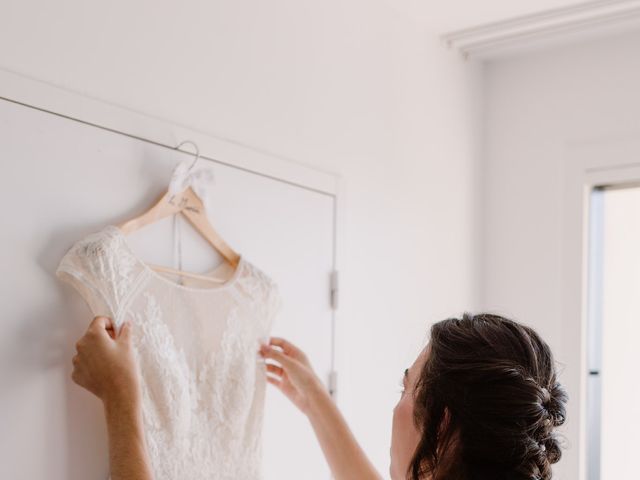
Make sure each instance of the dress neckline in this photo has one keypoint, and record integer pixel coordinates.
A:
(116, 231)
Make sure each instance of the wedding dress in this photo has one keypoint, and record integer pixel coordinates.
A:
(203, 382)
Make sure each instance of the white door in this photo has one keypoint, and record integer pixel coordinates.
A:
(615, 299)
(66, 179)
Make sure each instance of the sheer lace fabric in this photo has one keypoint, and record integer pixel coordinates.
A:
(203, 383)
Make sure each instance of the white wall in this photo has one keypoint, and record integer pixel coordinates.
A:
(537, 105)
(354, 87)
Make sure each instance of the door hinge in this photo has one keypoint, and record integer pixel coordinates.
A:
(333, 383)
(333, 295)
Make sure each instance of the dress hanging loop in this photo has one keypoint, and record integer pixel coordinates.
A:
(197, 153)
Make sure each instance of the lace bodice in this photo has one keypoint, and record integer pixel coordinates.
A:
(203, 382)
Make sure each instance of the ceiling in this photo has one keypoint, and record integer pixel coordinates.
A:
(442, 16)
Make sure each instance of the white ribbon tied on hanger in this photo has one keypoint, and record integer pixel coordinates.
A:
(199, 180)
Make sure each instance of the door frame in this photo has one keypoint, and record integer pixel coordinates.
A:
(588, 165)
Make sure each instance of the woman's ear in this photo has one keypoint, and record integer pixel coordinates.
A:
(449, 443)
(448, 433)
(445, 424)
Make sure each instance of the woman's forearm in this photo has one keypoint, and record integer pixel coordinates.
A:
(346, 458)
(105, 365)
(128, 458)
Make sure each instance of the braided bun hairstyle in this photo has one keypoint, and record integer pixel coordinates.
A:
(487, 403)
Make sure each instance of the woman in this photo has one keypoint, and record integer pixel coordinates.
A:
(481, 401)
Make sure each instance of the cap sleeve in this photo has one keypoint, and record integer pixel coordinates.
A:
(104, 271)
(76, 270)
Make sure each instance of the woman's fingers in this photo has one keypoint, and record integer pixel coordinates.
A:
(100, 323)
(274, 381)
(285, 345)
(274, 375)
(279, 356)
(288, 348)
(275, 369)
(125, 333)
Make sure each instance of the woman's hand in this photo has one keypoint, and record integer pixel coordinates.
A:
(105, 365)
(292, 373)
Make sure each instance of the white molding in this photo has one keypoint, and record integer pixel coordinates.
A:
(34, 93)
(580, 19)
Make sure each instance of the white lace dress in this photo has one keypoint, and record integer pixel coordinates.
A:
(203, 382)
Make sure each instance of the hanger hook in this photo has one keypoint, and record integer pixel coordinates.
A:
(197, 152)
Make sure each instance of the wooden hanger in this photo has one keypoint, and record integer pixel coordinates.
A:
(191, 206)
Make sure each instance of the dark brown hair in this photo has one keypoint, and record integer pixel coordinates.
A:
(487, 403)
